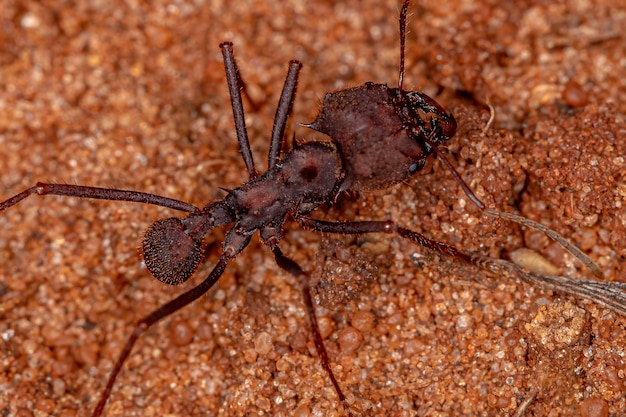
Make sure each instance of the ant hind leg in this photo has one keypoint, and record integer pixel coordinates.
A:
(98, 193)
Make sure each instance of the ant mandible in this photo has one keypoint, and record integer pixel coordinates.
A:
(379, 136)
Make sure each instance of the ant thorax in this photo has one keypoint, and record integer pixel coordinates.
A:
(304, 179)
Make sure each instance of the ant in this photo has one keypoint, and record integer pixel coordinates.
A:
(378, 137)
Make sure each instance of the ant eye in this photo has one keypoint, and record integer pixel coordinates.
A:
(309, 173)
(415, 166)
(170, 254)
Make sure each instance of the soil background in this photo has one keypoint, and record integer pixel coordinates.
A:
(132, 95)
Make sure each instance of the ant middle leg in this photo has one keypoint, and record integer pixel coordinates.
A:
(234, 87)
(270, 236)
(285, 103)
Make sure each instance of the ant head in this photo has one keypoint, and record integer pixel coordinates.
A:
(170, 254)
(384, 134)
(422, 112)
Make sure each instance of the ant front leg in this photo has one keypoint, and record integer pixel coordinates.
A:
(282, 112)
(374, 226)
(608, 294)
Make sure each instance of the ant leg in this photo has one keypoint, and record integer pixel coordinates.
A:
(608, 294)
(82, 191)
(294, 269)
(234, 86)
(282, 112)
(162, 312)
(373, 226)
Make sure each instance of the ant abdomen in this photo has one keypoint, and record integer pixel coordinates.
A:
(170, 254)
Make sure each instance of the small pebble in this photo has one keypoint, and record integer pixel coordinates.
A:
(181, 332)
(574, 95)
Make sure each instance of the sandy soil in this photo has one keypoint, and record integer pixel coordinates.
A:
(133, 95)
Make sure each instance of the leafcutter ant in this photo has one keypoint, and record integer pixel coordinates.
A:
(378, 136)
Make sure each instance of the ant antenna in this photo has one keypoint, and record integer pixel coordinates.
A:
(454, 172)
(572, 249)
(403, 13)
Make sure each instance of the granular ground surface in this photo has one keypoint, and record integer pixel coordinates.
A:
(132, 95)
